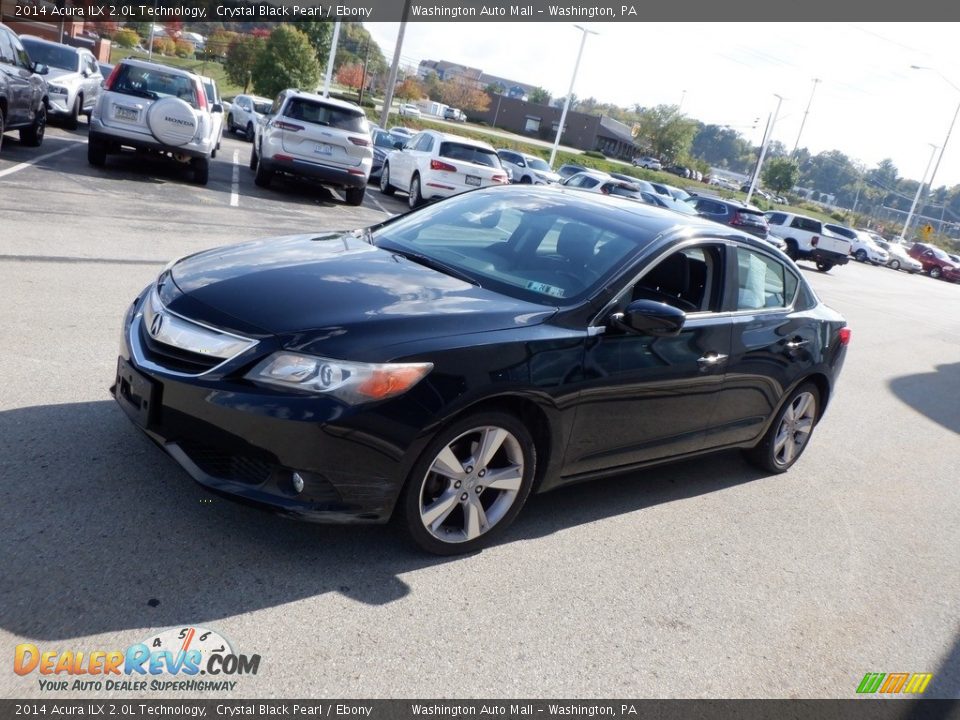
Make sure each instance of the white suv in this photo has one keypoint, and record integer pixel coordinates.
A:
(246, 112)
(73, 82)
(156, 109)
(314, 137)
(434, 165)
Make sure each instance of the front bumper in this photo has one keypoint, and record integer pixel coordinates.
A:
(248, 442)
(59, 104)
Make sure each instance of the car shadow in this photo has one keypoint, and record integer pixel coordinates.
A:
(102, 531)
(935, 394)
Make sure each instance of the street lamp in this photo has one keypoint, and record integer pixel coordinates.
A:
(683, 96)
(763, 149)
(943, 148)
(566, 104)
(916, 199)
(805, 113)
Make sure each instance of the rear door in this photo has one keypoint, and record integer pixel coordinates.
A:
(16, 78)
(772, 343)
(91, 81)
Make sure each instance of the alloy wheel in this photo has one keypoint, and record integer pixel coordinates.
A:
(471, 484)
(795, 428)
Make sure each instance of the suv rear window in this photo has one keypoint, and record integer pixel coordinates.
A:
(153, 83)
(802, 223)
(469, 153)
(318, 113)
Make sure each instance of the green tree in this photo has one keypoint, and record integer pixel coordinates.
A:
(288, 60)
(539, 96)
(432, 85)
(242, 56)
(780, 174)
(321, 35)
(666, 132)
(720, 146)
(126, 38)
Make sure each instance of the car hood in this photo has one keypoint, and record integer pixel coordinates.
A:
(63, 77)
(336, 292)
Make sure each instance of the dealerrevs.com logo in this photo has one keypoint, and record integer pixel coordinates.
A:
(198, 658)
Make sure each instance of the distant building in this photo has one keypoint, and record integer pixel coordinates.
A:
(446, 70)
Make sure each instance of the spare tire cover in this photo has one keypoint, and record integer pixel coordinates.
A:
(172, 121)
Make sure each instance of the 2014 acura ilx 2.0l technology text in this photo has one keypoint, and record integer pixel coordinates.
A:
(442, 365)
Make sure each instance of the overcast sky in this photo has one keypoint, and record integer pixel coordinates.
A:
(869, 105)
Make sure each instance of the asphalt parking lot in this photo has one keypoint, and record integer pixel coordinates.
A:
(702, 579)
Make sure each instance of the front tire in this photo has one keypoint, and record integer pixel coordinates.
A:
(385, 187)
(935, 273)
(860, 255)
(784, 443)
(894, 264)
(33, 136)
(415, 199)
(3, 127)
(73, 121)
(250, 132)
(823, 266)
(253, 158)
(264, 177)
(469, 484)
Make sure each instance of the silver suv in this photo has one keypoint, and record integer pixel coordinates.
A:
(73, 83)
(314, 137)
(156, 109)
(246, 112)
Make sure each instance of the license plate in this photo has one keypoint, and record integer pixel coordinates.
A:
(125, 113)
(136, 394)
(473, 180)
(323, 149)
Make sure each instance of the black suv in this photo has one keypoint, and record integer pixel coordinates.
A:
(734, 213)
(23, 93)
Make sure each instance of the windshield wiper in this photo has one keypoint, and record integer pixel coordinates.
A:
(434, 264)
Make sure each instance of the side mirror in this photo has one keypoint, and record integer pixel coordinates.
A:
(649, 317)
(40, 69)
(217, 107)
(398, 145)
(521, 163)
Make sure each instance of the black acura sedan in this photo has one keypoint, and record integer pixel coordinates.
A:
(441, 366)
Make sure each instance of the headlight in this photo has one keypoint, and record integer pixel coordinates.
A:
(57, 90)
(351, 382)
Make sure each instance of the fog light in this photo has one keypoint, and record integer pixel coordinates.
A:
(297, 482)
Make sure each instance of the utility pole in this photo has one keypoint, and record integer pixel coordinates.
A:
(363, 80)
(392, 80)
(763, 150)
(916, 199)
(330, 58)
(805, 113)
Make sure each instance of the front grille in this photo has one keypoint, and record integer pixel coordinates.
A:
(173, 358)
(227, 466)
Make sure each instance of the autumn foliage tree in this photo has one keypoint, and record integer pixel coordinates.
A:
(409, 89)
(350, 75)
(464, 94)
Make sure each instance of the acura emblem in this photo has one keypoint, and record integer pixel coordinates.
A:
(156, 324)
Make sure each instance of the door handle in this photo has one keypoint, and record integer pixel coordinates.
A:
(797, 343)
(711, 359)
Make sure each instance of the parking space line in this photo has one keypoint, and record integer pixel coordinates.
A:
(25, 165)
(380, 207)
(235, 182)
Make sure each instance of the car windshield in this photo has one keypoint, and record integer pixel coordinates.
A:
(470, 153)
(548, 250)
(154, 83)
(320, 113)
(939, 254)
(55, 56)
(537, 164)
(262, 106)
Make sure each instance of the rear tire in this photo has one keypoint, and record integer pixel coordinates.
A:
(824, 267)
(789, 433)
(3, 127)
(449, 511)
(385, 187)
(355, 195)
(895, 264)
(860, 255)
(96, 152)
(415, 199)
(253, 158)
(264, 177)
(33, 136)
(250, 132)
(201, 170)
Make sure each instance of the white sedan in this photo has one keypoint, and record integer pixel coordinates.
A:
(898, 259)
(434, 165)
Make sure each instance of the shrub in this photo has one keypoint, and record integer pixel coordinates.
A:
(183, 48)
(839, 216)
(595, 154)
(126, 38)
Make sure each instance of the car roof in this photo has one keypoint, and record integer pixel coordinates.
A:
(735, 203)
(448, 137)
(49, 42)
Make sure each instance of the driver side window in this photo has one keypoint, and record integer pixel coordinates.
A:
(688, 279)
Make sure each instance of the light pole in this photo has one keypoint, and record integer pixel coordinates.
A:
(916, 199)
(943, 148)
(805, 113)
(683, 96)
(330, 58)
(763, 149)
(566, 103)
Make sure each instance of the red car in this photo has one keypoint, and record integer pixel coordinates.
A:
(936, 263)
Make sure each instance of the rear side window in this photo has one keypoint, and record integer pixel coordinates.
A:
(711, 208)
(469, 153)
(154, 83)
(318, 113)
(776, 218)
(763, 282)
(802, 223)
